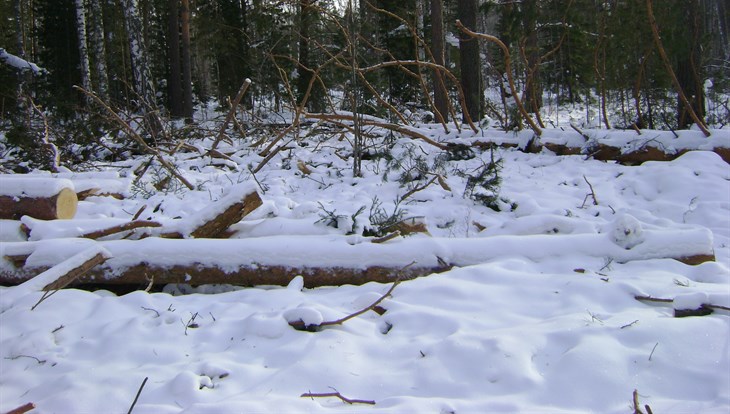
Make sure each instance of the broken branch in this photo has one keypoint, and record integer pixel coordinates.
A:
(337, 395)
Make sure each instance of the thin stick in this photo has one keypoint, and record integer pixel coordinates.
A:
(508, 70)
(132, 133)
(593, 193)
(652, 350)
(374, 304)
(672, 75)
(231, 113)
(137, 396)
(382, 124)
(120, 228)
(338, 395)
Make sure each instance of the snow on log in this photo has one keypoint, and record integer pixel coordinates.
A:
(60, 275)
(41, 198)
(11, 231)
(626, 147)
(334, 260)
(214, 220)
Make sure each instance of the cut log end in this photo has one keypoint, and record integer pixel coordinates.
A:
(60, 206)
(66, 204)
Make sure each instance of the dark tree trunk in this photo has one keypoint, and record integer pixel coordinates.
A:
(533, 89)
(469, 60)
(174, 85)
(98, 49)
(187, 81)
(689, 67)
(437, 48)
(306, 14)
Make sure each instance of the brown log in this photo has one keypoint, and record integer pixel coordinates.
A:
(22, 409)
(74, 273)
(231, 214)
(59, 206)
(250, 275)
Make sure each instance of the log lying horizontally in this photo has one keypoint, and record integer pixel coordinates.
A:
(214, 220)
(625, 147)
(41, 198)
(331, 260)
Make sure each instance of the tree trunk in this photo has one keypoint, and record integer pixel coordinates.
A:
(174, 86)
(533, 89)
(98, 50)
(83, 50)
(306, 14)
(437, 48)
(689, 68)
(185, 64)
(469, 61)
(142, 80)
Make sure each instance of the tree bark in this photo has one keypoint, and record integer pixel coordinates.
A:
(469, 61)
(142, 80)
(98, 49)
(689, 67)
(174, 86)
(437, 47)
(49, 199)
(187, 87)
(667, 63)
(533, 89)
(84, 65)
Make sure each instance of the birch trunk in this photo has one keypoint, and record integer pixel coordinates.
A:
(98, 49)
(83, 50)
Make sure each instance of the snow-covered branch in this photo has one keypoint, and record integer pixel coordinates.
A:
(20, 63)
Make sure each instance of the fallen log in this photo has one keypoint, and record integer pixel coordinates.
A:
(214, 220)
(328, 260)
(622, 146)
(41, 198)
(58, 276)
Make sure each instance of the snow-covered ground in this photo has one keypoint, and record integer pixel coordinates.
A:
(541, 316)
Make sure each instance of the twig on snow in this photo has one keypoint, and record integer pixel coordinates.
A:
(637, 408)
(300, 325)
(137, 396)
(338, 395)
(652, 350)
(591, 194)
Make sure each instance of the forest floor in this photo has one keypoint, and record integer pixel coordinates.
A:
(549, 305)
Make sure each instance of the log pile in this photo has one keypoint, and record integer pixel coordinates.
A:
(192, 250)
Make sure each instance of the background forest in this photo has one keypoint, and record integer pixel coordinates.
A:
(400, 60)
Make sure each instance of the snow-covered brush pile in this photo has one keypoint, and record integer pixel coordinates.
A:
(562, 288)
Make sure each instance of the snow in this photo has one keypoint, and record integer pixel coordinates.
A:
(32, 187)
(20, 63)
(538, 315)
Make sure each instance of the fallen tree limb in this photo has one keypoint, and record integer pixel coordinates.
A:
(302, 326)
(231, 113)
(214, 220)
(381, 124)
(22, 409)
(337, 395)
(508, 70)
(703, 309)
(60, 275)
(140, 141)
(41, 198)
(120, 228)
